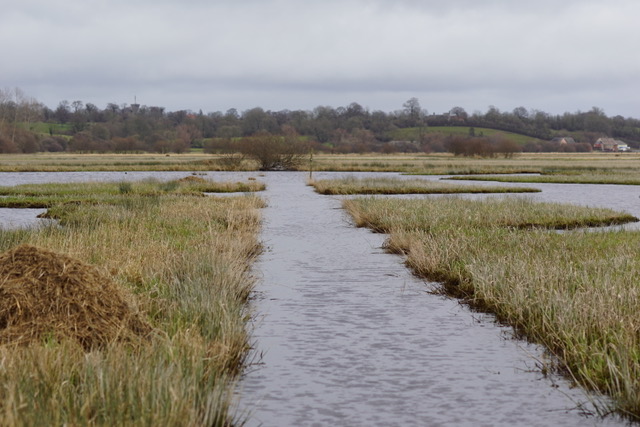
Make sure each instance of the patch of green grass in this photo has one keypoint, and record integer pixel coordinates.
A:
(49, 128)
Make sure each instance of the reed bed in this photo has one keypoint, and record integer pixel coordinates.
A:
(68, 162)
(183, 263)
(352, 185)
(575, 292)
(47, 195)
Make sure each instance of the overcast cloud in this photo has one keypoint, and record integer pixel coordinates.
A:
(286, 54)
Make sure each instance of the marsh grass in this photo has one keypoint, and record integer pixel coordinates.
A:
(566, 177)
(66, 162)
(48, 195)
(576, 293)
(416, 163)
(447, 164)
(352, 185)
(181, 260)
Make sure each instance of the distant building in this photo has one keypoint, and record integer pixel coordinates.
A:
(563, 140)
(622, 146)
(135, 106)
(610, 144)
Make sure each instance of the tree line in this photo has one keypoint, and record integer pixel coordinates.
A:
(27, 125)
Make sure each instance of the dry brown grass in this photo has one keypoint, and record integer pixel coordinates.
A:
(45, 295)
(439, 164)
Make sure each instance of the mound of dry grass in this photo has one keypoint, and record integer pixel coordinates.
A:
(45, 295)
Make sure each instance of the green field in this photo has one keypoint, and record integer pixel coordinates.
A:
(412, 134)
(48, 128)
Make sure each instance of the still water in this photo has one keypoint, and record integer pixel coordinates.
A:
(345, 335)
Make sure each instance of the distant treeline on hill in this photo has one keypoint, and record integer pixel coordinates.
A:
(27, 126)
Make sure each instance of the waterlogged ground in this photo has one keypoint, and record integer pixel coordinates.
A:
(345, 335)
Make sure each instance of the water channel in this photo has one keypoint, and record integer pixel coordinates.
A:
(345, 335)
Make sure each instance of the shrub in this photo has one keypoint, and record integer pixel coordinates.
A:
(273, 152)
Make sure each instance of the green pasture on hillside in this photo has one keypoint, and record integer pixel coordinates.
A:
(48, 128)
(411, 134)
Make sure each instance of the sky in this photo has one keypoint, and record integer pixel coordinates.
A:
(213, 55)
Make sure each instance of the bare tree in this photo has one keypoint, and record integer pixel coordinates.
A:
(413, 112)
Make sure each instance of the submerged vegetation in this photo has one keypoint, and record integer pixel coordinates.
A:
(574, 292)
(182, 262)
(352, 185)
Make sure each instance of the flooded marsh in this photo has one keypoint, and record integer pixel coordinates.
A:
(345, 334)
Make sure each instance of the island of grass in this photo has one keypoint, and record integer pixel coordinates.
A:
(47, 195)
(352, 185)
(576, 292)
(574, 177)
(181, 264)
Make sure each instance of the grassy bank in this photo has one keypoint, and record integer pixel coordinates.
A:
(576, 292)
(352, 185)
(183, 263)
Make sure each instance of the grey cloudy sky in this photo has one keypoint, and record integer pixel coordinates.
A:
(213, 55)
